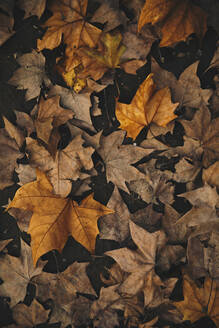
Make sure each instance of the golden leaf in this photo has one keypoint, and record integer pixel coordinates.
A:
(55, 218)
(108, 55)
(147, 106)
(178, 19)
(68, 21)
(199, 302)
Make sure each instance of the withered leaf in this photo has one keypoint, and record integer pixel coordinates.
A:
(31, 75)
(32, 7)
(79, 103)
(76, 312)
(68, 21)
(55, 218)
(115, 226)
(17, 273)
(199, 302)
(29, 316)
(9, 153)
(178, 19)
(186, 90)
(109, 14)
(65, 167)
(63, 286)
(140, 264)
(147, 106)
(211, 175)
(107, 56)
(49, 116)
(206, 131)
(103, 310)
(117, 157)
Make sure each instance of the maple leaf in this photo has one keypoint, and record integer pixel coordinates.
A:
(67, 165)
(6, 20)
(29, 316)
(154, 185)
(199, 302)
(17, 273)
(49, 116)
(140, 264)
(211, 175)
(79, 103)
(62, 287)
(9, 153)
(69, 21)
(178, 19)
(55, 218)
(32, 7)
(117, 156)
(115, 226)
(110, 15)
(76, 312)
(186, 89)
(108, 55)
(206, 131)
(147, 106)
(103, 310)
(31, 75)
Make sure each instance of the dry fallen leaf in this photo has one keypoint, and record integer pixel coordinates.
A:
(211, 175)
(31, 75)
(29, 316)
(117, 157)
(55, 218)
(9, 153)
(79, 103)
(67, 165)
(206, 131)
(16, 273)
(6, 20)
(32, 7)
(178, 19)
(63, 286)
(140, 264)
(186, 89)
(115, 226)
(49, 116)
(69, 22)
(199, 302)
(107, 56)
(147, 106)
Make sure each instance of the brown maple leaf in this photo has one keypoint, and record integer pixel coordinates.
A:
(69, 22)
(31, 75)
(147, 106)
(67, 164)
(199, 301)
(29, 316)
(49, 117)
(140, 264)
(17, 274)
(178, 19)
(55, 218)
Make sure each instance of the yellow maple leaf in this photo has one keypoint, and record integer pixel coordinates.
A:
(199, 302)
(55, 218)
(147, 106)
(178, 19)
(69, 22)
(96, 62)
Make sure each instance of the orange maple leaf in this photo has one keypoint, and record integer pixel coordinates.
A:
(199, 302)
(147, 106)
(55, 218)
(178, 19)
(68, 21)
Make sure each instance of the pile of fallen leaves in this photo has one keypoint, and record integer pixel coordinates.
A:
(110, 171)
